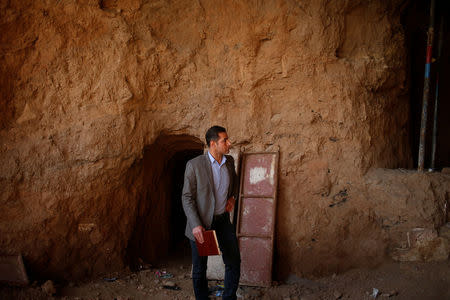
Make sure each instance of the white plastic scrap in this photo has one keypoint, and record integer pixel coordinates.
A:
(375, 293)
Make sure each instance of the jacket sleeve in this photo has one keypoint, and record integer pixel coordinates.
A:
(189, 197)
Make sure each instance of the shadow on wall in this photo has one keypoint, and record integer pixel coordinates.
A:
(160, 222)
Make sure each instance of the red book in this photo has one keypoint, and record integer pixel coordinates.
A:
(210, 245)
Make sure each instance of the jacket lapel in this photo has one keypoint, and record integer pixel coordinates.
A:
(209, 171)
(230, 167)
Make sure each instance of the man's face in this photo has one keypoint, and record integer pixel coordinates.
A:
(223, 144)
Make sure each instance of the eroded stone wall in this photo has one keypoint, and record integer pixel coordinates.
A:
(87, 85)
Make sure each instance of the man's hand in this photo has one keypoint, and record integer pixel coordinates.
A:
(230, 204)
(198, 233)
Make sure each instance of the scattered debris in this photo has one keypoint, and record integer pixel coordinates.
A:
(375, 293)
(309, 297)
(163, 274)
(176, 288)
(420, 236)
(110, 279)
(169, 283)
(390, 294)
(337, 295)
(142, 265)
(240, 293)
(437, 249)
(216, 290)
(49, 288)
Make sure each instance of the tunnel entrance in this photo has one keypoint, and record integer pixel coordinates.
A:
(158, 234)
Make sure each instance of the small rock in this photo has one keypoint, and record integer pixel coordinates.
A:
(445, 170)
(390, 294)
(309, 297)
(121, 282)
(169, 283)
(146, 272)
(337, 295)
(48, 288)
(240, 293)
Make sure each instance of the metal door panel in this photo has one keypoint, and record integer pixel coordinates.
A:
(256, 217)
(256, 264)
(259, 175)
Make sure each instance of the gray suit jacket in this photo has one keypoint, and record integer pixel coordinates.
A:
(198, 191)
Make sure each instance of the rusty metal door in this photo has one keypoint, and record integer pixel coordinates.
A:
(256, 217)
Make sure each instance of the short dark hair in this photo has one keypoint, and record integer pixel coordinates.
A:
(213, 134)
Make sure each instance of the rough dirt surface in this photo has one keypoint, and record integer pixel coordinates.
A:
(97, 95)
(396, 281)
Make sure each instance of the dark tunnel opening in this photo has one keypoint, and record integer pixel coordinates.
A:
(158, 234)
(178, 244)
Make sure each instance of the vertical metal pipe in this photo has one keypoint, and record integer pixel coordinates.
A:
(426, 90)
(436, 94)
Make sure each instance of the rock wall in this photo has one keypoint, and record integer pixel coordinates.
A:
(88, 85)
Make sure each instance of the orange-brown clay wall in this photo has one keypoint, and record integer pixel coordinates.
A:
(86, 85)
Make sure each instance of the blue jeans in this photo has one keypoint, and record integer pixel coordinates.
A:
(228, 244)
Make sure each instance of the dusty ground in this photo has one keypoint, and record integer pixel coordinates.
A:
(393, 280)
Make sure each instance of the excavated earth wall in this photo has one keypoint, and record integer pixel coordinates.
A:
(88, 86)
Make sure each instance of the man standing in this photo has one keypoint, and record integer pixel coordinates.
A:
(209, 194)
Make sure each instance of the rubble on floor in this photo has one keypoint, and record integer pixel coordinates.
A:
(424, 244)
